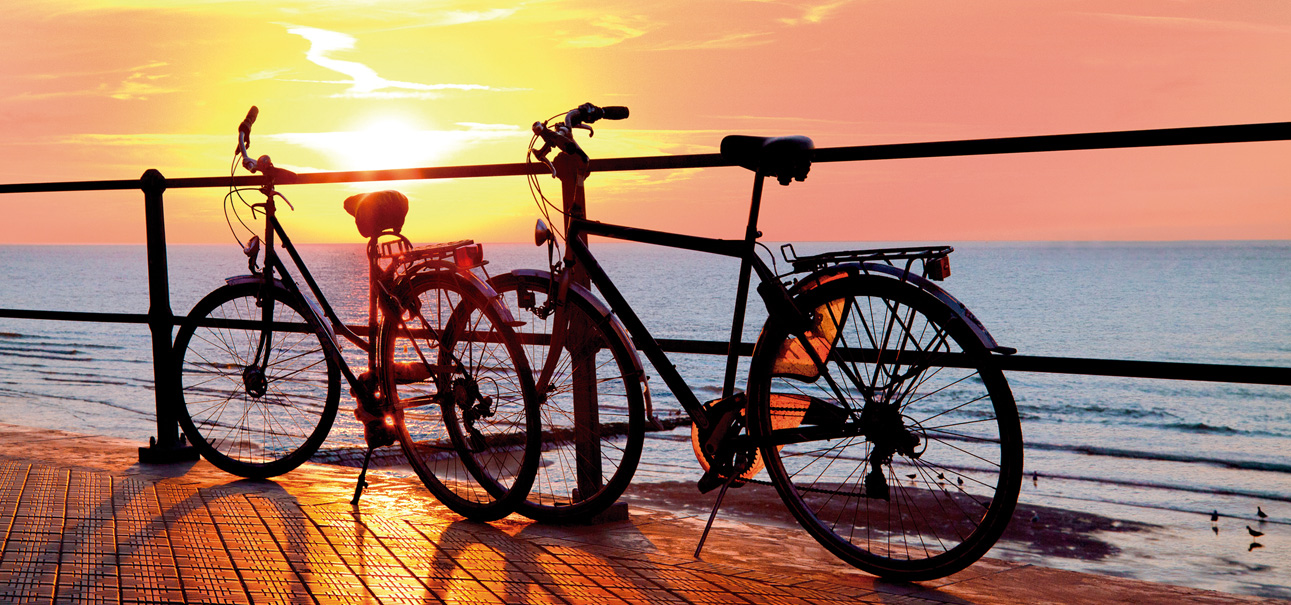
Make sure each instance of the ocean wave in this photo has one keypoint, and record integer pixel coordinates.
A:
(34, 397)
(1203, 428)
(1092, 450)
(1093, 410)
(58, 355)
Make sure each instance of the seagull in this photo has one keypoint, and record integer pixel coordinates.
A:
(1214, 516)
(1255, 533)
(1259, 512)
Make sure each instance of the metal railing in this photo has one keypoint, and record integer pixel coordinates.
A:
(161, 320)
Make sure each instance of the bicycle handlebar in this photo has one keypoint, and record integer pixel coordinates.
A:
(561, 136)
(588, 113)
(261, 164)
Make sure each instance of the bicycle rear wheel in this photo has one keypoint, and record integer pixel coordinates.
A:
(463, 396)
(255, 402)
(903, 455)
(587, 464)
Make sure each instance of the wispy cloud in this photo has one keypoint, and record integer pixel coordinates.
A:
(1193, 23)
(816, 13)
(461, 17)
(137, 140)
(364, 82)
(133, 83)
(729, 41)
(611, 30)
(141, 84)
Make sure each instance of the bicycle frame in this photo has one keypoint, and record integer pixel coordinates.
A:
(326, 317)
(778, 300)
(776, 297)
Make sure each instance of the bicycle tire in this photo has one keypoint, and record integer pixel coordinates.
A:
(477, 456)
(899, 507)
(581, 474)
(245, 421)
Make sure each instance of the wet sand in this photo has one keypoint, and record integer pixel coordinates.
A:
(1056, 532)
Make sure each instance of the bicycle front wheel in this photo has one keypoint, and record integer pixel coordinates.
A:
(902, 455)
(257, 399)
(593, 409)
(463, 396)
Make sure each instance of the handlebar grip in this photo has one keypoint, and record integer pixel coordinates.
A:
(244, 129)
(615, 112)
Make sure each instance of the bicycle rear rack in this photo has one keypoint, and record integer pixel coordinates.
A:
(934, 260)
(401, 256)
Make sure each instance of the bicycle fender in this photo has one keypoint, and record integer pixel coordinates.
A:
(601, 309)
(481, 286)
(487, 290)
(313, 306)
(979, 330)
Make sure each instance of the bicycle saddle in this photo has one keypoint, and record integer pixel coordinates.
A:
(786, 158)
(377, 211)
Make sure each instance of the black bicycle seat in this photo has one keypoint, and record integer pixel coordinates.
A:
(786, 158)
(378, 211)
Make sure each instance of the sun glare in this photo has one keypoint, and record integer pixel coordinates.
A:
(387, 143)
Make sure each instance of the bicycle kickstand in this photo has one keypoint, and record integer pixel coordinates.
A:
(363, 474)
(713, 515)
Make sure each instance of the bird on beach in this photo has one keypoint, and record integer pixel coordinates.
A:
(1259, 512)
(1214, 516)
(1255, 533)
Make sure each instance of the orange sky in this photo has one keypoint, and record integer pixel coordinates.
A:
(104, 89)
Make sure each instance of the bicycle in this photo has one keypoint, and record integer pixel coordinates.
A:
(260, 361)
(873, 402)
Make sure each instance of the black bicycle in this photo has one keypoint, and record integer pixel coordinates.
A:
(874, 403)
(260, 363)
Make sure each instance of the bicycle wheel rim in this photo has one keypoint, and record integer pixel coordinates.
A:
(254, 431)
(588, 456)
(480, 466)
(948, 498)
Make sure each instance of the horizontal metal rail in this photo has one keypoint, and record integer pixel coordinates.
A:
(111, 318)
(1162, 137)
(1164, 370)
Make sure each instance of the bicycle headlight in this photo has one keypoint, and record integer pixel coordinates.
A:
(541, 234)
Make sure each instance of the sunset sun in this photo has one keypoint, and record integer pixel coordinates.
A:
(387, 142)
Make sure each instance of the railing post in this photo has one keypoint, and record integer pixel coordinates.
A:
(587, 423)
(167, 445)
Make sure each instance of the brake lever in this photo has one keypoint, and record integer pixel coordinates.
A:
(541, 154)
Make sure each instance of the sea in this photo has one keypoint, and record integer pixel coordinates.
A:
(1167, 453)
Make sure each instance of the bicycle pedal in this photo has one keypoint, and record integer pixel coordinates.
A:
(714, 479)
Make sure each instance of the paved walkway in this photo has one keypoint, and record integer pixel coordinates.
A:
(82, 521)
